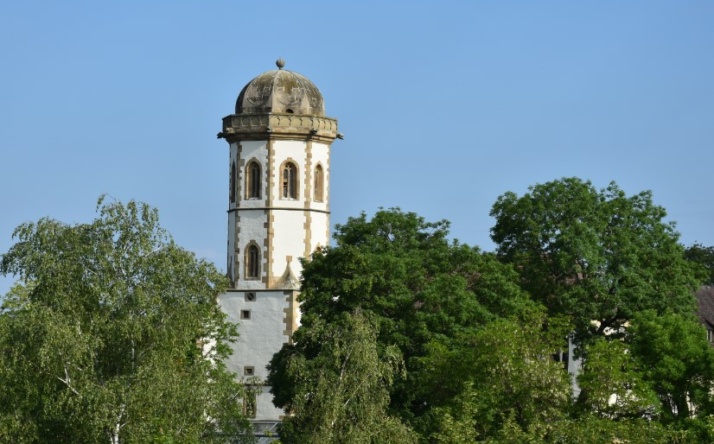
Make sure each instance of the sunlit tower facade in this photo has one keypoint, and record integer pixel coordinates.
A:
(278, 212)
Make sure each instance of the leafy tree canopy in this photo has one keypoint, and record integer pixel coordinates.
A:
(676, 360)
(422, 293)
(513, 386)
(598, 256)
(113, 335)
(341, 394)
(704, 258)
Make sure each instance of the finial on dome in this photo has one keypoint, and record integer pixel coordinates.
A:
(280, 63)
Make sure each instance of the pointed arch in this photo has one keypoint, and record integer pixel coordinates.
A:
(288, 180)
(319, 195)
(252, 261)
(253, 180)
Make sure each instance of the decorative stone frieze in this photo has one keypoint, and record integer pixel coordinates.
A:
(258, 126)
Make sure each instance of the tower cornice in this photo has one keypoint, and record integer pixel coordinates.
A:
(237, 127)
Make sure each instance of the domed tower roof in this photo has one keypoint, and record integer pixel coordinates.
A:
(280, 91)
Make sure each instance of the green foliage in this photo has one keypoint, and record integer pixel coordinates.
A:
(704, 258)
(594, 255)
(676, 360)
(423, 293)
(613, 385)
(113, 335)
(340, 394)
(592, 429)
(513, 386)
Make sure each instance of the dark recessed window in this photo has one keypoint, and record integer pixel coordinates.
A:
(245, 314)
(252, 262)
(252, 180)
(319, 184)
(289, 181)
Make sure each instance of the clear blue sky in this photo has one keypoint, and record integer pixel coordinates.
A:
(444, 105)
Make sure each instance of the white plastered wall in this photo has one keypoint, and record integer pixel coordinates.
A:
(298, 227)
(262, 335)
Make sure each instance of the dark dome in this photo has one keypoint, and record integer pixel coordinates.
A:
(280, 91)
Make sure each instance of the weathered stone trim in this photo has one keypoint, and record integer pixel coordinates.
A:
(279, 184)
(236, 254)
(270, 235)
(247, 126)
(269, 240)
(244, 169)
(277, 209)
(261, 261)
(291, 314)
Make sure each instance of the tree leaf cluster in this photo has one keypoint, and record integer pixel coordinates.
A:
(470, 336)
(598, 256)
(113, 334)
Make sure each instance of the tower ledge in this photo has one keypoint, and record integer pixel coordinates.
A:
(278, 125)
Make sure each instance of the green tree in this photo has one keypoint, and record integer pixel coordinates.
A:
(704, 257)
(677, 361)
(613, 385)
(113, 335)
(513, 386)
(340, 385)
(422, 292)
(599, 256)
(593, 429)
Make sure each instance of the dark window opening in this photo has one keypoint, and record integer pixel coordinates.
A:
(253, 181)
(252, 262)
(289, 177)
(319, 184)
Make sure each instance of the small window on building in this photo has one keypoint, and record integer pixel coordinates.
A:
(245, 314)
(232, 191)
(248, 370)
(253, 180)
(252, 262)
(250, 404)
(250, 297)
(289, 181)
(319, 184)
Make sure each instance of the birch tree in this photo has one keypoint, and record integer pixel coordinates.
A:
(112, 334)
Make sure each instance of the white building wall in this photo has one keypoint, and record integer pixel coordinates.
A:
(288, 240)
(252, 150)
(283, 229)
(251, 229)
(289, 150)
(262, 335)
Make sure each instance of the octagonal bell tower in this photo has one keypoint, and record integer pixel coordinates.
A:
(278, 212)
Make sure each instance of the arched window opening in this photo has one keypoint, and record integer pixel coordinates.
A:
(232, 191)
(252, 262)
(319, 184)
(289, 178)
(252, 181)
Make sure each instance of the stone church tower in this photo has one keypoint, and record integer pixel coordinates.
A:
(278, 212)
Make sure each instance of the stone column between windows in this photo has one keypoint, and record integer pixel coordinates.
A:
(269, 220)
(309, 173)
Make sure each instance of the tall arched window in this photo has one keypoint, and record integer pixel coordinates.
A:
(319, 184)
(252, 262)
(232, 191)
(252, 180)
(289, 181)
